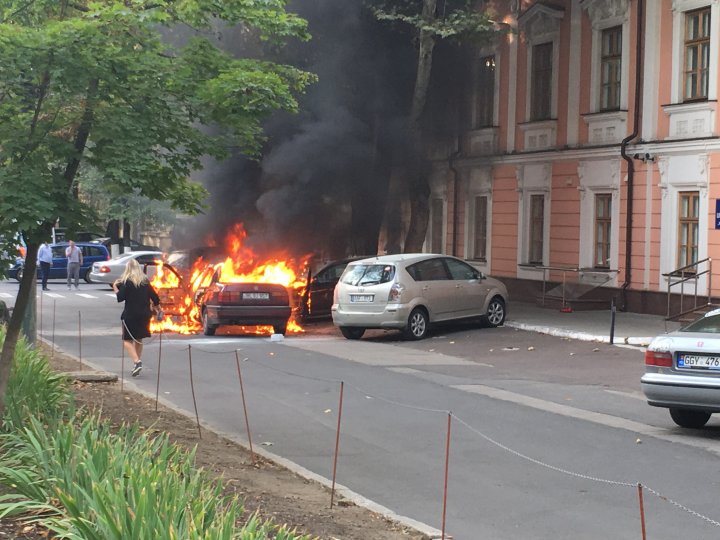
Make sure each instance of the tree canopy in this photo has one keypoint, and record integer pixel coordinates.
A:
(95, 82)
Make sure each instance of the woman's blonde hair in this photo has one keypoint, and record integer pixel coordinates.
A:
(133, 273)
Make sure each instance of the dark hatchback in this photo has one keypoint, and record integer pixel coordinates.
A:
(92, 253)
(248, 304)
(317, 299)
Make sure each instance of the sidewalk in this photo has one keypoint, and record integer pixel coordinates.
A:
(630, 328)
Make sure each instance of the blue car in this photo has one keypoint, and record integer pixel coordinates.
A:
(92, 253)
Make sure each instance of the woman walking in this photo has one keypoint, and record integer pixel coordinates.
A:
(135, 290)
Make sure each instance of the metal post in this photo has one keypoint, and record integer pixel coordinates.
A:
(52, 354)
(80, 339)
(157, 384)
(192, 388)
(612, 320)
(642, 511)
(447, 468)
(242, 395)
(337, 444)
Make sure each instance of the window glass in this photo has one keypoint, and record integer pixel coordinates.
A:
(460, 270)
(480, 229)
(485, 103)
(610, 64)
(58, 251)
(688, 227)
(603, 213)
(429, 270)
(697, 54)
(710, 324)
(537, 229)
(368, 274)
(541, 81)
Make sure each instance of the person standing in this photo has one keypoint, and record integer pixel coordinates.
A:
(75, 260)
(45, 258)
(135, 290)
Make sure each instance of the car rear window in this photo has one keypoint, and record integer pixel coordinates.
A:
(368, 274)
(709, 324)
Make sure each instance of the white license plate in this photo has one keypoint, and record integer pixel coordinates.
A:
(362, 298)
(696, 361)
(256, 296)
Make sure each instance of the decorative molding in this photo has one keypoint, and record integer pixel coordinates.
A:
(600, 11)
(540, 21)
(686, 5)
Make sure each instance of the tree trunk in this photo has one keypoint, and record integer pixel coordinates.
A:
(418, 188)
(27, 290)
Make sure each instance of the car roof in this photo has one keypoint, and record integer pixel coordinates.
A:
(407, 258)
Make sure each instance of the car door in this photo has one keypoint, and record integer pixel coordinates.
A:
(468, 291)
(436, 287)
(321, 288)
(58, 270)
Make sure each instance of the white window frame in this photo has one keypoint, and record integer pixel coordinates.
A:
(533, 179)
(680, 8)
(479, 185)
(679, 174)
(598, 177)
(484, 53)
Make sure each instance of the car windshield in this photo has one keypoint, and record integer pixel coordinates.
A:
(709, 324)
(368, 274)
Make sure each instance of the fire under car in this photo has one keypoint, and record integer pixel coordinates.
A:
(243, 303)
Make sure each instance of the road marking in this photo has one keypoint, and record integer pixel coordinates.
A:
(590, 416)
(111, 294)
(377, 354)
(86, 295)
(6, 295)
(54, 295)
(633, 395)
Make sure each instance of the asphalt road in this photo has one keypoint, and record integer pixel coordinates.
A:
(548, 437)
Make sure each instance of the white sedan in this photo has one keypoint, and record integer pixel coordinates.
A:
(682, 371)
(109, 271)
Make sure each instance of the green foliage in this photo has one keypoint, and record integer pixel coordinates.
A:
(460, 20)
(94, 82)
(81, 480)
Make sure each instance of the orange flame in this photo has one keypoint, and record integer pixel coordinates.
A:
(240, 265)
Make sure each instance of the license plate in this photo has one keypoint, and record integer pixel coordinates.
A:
(256, 296)
(362, 297)
(697, 361)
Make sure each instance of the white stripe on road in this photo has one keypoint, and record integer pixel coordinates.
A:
(6, 295)
(590, 416)
(86, 295)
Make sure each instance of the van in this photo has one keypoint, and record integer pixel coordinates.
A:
(92, 253)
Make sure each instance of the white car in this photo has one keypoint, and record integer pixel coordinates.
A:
(682, 371)
(109, 271)
(410, 292)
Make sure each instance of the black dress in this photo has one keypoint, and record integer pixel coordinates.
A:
(136, 314)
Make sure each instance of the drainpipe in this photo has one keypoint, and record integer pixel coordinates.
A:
(629, 159)
(451, 164)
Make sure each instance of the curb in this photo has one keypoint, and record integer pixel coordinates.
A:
(582, 336)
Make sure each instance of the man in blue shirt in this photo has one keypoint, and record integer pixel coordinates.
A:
(45, 261)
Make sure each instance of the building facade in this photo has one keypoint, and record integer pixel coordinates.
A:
(591, 160)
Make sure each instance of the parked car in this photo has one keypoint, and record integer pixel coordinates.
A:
(243, 304)
(317, 298)
(92, 253)
(412, 291)
(682, 371)
(109, 271)
(132, 244)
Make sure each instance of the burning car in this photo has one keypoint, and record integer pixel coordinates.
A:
(244, 303)
(231, 286)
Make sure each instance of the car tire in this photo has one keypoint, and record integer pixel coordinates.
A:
(351, 332)
(87, 277)
(495, 314)
(208, 330)
(418, 324)
(280, 328)
(19, 274)
(689, 418)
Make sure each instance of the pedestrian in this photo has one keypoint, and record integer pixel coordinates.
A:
(45, 258)
(135, 290)
(74, 262)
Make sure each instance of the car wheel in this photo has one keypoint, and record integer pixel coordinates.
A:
(688, 418)
(495, 314)
(86, 277)
(280, 328)
(417, 327)
(207, 329)
(19, 274)
(352, 333)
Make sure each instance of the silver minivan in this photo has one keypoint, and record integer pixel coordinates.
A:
(410, 292)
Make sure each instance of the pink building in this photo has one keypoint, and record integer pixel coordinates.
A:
(592, 156)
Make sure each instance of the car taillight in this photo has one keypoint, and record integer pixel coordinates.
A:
(395, 292)
(658, 358)
(104, 270)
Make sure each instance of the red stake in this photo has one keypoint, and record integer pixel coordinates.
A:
(447, 468)
(157, 385)
(80, 339)
(192, 389)
(337, 444)
(642, 511)
(242, 395)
